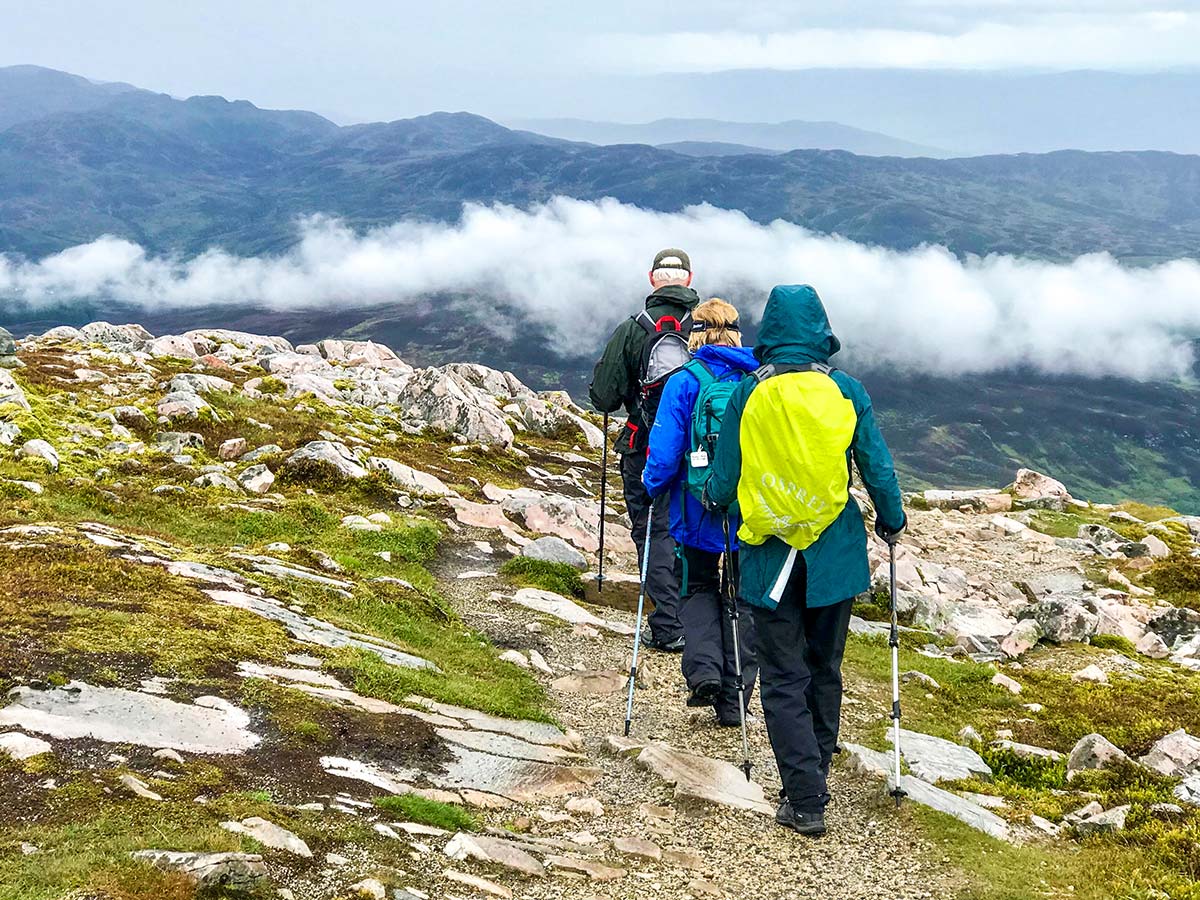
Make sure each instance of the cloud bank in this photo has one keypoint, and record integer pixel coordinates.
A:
(1154, 39)
(580, 267)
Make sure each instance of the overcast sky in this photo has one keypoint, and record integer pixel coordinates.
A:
(382, 59)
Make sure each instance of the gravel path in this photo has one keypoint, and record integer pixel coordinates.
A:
(871, 850)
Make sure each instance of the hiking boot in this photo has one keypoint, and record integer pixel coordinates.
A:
(704, 694)
(672, 646)
(809, 824)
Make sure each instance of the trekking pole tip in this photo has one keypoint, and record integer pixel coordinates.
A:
(746, 767)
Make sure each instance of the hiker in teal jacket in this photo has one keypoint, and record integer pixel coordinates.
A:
(802, 614)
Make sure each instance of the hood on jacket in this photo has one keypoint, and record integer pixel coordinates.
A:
(674, 295)
(726, 359)
(795, 327)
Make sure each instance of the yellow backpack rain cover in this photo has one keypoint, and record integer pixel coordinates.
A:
(795, 431)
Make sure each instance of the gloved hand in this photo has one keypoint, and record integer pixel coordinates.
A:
(889, 537)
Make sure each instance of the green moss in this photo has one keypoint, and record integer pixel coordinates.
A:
(558, 578)
(1043, 774)
(1176, 579)
(1115, 642)
(271, 386)
(87, 611)
(412, 808)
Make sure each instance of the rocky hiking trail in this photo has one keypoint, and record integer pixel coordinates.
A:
(307, 621)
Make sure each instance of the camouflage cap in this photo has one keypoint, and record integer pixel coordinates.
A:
(671, 258)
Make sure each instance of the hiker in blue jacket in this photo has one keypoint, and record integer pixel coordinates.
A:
(789, 438)
(708, 654)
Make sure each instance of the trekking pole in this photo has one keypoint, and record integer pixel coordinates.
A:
(637, 633)
(731, 589)
(894, 642)
(603, 498)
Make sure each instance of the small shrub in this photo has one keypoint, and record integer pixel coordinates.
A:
(559, 578)
(427, 812)
(1176, 576)
(1028, 772)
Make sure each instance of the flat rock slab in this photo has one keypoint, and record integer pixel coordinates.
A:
(314, 631)
(506, 745)
(236, 871)
(605, 681)
(117, 716)
(269, 835)
(935, 759)
(560, 607)
(493, 851)
(593, 870)
(918, 791)
(521, 781)
(21, 746)
(865, 761)
(533, 732)
(704, 780)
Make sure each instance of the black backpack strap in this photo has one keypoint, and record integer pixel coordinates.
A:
(648, 324)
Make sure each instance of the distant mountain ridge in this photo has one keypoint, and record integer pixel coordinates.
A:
(781, 136)
(187, 175)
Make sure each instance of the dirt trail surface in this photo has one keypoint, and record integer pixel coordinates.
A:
(871, 851)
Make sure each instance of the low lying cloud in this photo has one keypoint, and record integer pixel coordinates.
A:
(580, 267)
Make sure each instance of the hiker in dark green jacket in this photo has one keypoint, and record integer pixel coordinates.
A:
(790, 435)
(616, 383)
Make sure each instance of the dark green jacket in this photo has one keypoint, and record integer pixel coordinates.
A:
(615, 379)
(795, 329)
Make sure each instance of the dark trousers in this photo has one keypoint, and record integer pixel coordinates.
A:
(708, 654)
(662, 585)
(800, 658)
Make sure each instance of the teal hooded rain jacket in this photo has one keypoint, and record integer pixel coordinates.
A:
(795, 330)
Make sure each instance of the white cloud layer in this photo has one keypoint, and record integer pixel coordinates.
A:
(580, 267)
(1139, 40)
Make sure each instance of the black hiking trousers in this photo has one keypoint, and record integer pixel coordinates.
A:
(800, 666)
(662, 585)
(708, 654)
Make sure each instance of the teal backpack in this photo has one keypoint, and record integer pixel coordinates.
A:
(711, 403)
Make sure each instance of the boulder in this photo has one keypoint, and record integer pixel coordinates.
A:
(1091, 673)
(218, 480)
(983, 501)
(256, 479)
(1188, 790)
(130, 417)
(1028, 751)
(171, 345)
(1175, 755)
(116, 337)
(11, 393)
(555, 549)
(699, 779)
(1156, 546)
(8, 351)
(1104, 822)
(1022, 638)
(1031, 485)
(239, 872)
(1176, 624)
(1064, 619)
(409, 479)
(445, 401)
(233, 448)
(1153, 646)
(1094, 751)
(62, 334)
(1003, 681)
(39, 449)
(332, 454)
(182, 405)
(173, 443)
